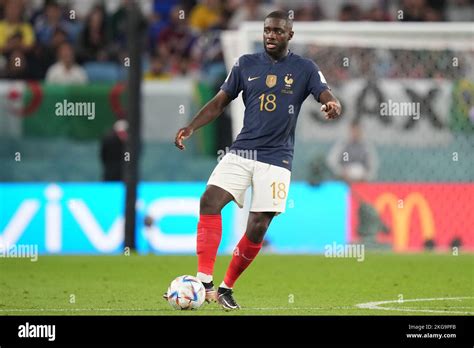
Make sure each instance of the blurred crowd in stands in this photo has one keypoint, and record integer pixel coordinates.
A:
(77, 41)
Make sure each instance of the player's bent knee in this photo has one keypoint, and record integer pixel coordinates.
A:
(213, 200)
(258, 226)
(261, 226)
(210, 204)
(207, 205)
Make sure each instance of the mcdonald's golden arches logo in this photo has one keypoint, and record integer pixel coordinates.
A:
(402, 216)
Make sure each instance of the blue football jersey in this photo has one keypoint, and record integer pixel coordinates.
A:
(272, 93)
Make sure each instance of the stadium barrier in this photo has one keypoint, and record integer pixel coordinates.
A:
(71, 218)
(88, 218)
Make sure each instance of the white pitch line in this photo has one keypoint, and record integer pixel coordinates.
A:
(436, 309)
(377, 305)
(369, 305)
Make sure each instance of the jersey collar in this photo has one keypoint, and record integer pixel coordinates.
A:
(268, 57)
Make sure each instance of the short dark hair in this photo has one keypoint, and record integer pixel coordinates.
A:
(281, 15)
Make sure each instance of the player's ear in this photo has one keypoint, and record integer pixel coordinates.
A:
(290, 36)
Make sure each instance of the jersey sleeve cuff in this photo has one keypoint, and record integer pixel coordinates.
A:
(318, 94)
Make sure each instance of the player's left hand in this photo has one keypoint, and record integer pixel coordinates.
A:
(183, 134)
(331, 109)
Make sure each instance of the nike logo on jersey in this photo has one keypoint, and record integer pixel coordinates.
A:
(253, 78)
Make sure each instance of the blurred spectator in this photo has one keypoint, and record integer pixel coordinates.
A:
(433, 15)
(15, 34)
(163, 8)
(436, 8)
(117, 48)
(205, 14)
(17, 67)
(66, 71)
(250, 10)
(229, 7)
(118, 24)
(417, 11)
(45, 55)
(319, 170)
(112, 151)
(2, 8)
(377, 14)
(155, 25)
(158, 18)
(175, 43)
(94, 39)
(369, 224)
(309, 12)
(353, 159)
(46, 23)
(186, 34)
(157, 70)
(208, 52)
(413, 10)
(349, 12)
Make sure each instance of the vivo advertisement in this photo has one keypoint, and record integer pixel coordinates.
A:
(88, 218)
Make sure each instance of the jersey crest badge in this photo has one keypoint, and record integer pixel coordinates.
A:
(271, 81)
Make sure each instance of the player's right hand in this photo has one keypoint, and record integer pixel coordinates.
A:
(331, 109)
(183, 134)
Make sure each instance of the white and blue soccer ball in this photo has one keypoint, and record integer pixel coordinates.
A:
(186, 292)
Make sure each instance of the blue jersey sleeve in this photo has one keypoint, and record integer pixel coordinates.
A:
(317, 82)
(233, 83)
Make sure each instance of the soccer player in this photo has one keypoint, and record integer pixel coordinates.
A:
(274, 84)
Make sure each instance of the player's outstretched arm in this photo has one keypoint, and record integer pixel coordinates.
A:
(331, 106)
(207, 114)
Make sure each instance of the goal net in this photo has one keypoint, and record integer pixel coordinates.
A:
(410, 86)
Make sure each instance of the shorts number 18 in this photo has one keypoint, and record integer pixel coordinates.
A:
(278, 191)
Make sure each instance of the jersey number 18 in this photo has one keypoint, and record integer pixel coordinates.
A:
(267, 102)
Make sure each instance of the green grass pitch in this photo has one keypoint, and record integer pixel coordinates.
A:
(272, 285)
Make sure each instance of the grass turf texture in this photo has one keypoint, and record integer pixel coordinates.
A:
(272, 285)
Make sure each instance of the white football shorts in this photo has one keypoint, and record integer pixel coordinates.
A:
(270, 183)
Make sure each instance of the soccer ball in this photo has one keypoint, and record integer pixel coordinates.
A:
(186, 292)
